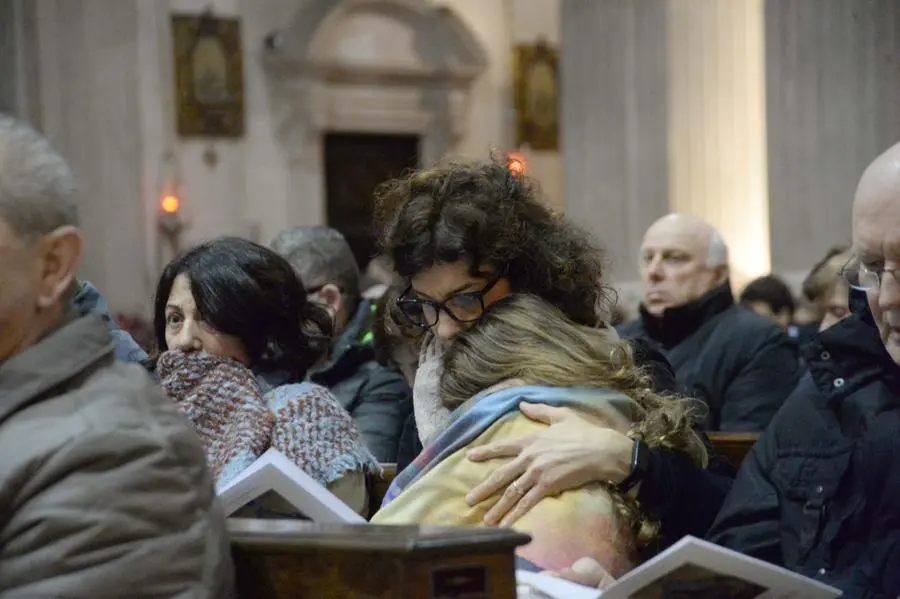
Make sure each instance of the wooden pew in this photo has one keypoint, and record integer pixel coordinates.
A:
(733, 446)
(278, 559)
(378, 486)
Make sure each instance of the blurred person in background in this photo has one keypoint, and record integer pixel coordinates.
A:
(769, 296)
(827, 289)
(741, 365)
(376, 395)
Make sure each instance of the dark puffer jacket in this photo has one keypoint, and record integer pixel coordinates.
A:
(820, 492)
(741, 365)
(377, 396)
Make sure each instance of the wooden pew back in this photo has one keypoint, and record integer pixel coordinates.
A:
(378, 486)
(733, 446)
(277, 559)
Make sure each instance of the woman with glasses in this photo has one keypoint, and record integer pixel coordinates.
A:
(465, 235)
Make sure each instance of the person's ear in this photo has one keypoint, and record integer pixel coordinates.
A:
(60, 253)
(722, 273)
(331, 295)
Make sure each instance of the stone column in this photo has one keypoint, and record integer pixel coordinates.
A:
(8, 57)
(716, 124)
(833, 77)
(614, 121)
(758, 115)
(91, 110)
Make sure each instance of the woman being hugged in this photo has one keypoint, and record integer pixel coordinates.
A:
(465, 235)
(235, 336)
(524, 349)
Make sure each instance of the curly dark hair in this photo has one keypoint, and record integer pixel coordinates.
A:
(246, 290)
(483, 213)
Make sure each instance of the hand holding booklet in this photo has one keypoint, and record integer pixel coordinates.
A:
(274, 473)
(690, 569)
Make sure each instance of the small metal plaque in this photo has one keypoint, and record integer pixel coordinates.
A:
(461, 582)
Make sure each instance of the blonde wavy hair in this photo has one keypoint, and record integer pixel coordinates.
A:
(524, 338)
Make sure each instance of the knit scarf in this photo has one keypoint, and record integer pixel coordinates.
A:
(238, 422)
(430, 414)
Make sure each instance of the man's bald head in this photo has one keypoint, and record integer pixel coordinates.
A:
(682, 258)
(876, 243)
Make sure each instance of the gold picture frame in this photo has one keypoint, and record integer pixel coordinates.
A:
(536, 95)
(209, 76)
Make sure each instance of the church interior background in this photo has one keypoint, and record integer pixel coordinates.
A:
(189, 119)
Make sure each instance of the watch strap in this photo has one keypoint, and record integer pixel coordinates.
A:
(640, 457)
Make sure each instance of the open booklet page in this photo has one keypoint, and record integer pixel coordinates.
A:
(274, 474)
(531, 585)
(696, 569)
(690, 569)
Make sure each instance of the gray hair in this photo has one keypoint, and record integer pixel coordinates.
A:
(320, 255)
(37, 189)
(717, 251)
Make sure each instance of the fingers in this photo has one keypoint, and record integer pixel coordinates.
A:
(499, 479)
(543, 413)
(588, 572)
(550, 573)
(524, 505)
(508, 501)
(498, 449)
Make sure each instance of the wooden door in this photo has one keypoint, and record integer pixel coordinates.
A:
(355, 163)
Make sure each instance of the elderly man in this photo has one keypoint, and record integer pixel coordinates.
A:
(741, 365)
(104, 488)
(820, 492)
(377, 396)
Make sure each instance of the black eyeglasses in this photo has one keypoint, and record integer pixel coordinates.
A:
(463, 307)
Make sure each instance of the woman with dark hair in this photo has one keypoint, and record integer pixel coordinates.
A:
(465, 235)
(236, 336)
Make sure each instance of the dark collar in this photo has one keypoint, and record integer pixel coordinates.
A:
(65, 352)
(851, 350)
(680, 322)
(348, 352)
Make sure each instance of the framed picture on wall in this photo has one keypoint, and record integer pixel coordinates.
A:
(209, 76)
(536, 95)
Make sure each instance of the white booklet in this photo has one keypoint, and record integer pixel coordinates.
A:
(691, 569)
(273, 472)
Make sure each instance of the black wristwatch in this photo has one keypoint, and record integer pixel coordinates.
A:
(640, 462)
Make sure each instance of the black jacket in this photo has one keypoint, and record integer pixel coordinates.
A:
(684, 498)
(820, 492)
(377, 396)
(740, 364)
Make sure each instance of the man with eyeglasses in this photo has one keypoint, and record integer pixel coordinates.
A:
(820, 492)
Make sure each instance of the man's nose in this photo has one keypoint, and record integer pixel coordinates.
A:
(654, 269)
(889, 291)
(446, 328)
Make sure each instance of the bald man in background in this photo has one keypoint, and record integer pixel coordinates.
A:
(741, 365)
